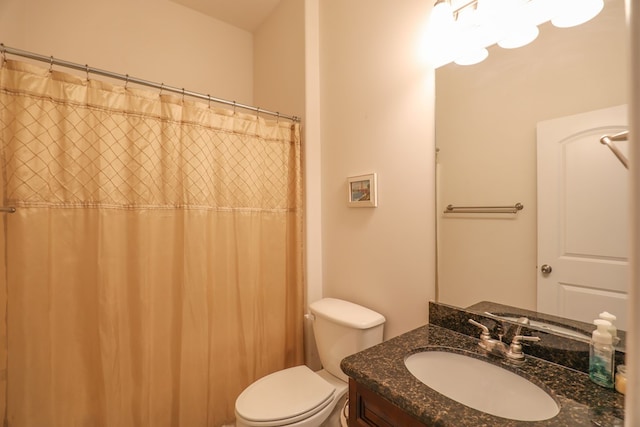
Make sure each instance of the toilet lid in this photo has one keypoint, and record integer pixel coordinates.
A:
(292, 394)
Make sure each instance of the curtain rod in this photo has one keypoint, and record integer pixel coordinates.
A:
(161, 86)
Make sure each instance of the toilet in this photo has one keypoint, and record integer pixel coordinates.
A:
(298, 396)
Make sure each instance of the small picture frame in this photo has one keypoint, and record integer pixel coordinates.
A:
(362, 191)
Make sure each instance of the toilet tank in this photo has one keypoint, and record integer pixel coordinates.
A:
(342, 328)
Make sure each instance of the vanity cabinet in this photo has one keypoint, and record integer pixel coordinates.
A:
(367, 408)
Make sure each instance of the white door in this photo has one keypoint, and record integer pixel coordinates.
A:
(583, 224)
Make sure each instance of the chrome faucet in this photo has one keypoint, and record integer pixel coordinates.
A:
(492, 345)
(499, 348)
(515, 349)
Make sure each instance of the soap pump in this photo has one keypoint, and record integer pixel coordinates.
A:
(605, 315)
(601, 354)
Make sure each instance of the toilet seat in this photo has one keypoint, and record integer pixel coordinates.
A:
(284, 397)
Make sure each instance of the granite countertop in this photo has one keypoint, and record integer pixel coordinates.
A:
(381, 368)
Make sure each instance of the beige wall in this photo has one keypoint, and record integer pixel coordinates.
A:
(155, 40)
(377, 116)
(486, 118)
(278, 60)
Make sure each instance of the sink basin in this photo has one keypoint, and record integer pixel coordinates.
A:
(482, 386)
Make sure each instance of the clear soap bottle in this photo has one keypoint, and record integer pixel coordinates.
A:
(601, 354)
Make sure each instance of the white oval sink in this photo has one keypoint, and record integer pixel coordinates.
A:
(482, 386)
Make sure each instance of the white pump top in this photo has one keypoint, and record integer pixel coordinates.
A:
(605, 315)
(601, 335)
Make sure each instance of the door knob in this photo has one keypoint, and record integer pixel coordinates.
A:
(546, 269)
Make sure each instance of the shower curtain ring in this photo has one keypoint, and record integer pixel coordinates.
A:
(277, 117)
(257, 112)
(4, 56)
(51, 64)
(126, 81)
(209, 96)
(161, 88)
(182, 94)
(86, 68)
(234, 108)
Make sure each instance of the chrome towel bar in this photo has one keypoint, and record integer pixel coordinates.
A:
(608, 140)
(484, 209)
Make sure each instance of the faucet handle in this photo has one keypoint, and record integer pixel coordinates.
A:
(515, 349)
(484, 335)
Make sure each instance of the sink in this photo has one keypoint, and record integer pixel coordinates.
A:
(482, 386)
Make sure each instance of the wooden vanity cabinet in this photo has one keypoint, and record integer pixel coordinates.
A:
(367, 408)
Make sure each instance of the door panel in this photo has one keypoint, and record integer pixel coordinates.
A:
(583, 224)
(577, 300)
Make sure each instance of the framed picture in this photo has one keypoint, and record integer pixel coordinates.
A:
(362, 191)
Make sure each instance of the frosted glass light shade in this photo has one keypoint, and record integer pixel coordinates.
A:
(523, 36)
(570, 13)
(472, 57)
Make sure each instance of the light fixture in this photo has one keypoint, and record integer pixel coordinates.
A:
(570, 13)
(519, 37)
(442, 13)
(462, 30)
(472, 56)
(519, 27)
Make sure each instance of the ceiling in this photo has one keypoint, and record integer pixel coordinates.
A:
(245, 14)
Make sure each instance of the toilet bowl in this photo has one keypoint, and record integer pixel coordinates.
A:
(299, 397)
(296, 397)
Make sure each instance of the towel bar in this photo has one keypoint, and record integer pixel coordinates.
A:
(484, 209)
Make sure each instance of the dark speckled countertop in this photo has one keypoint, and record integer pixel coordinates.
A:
(381, 368)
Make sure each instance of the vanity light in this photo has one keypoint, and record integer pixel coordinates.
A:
(461, 30)
(520, 28)
(522, 37)
(570, 13)
(442, 14)
(472, 57)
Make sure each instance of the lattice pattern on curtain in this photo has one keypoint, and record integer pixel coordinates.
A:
(118, 153)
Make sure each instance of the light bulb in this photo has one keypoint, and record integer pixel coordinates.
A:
(570, 13)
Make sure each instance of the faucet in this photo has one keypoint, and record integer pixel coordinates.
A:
(491, 345)
(499, 348)
(515, 349)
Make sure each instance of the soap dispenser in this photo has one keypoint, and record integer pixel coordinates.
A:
(601, 354)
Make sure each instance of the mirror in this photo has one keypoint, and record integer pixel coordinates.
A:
(486, 116)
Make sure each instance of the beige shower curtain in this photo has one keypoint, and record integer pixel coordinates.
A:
(153, 264)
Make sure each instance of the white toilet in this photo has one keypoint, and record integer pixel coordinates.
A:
(297, 396)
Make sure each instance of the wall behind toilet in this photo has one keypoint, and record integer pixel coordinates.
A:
(377, 116)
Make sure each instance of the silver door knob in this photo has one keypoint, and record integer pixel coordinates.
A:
(546, 269)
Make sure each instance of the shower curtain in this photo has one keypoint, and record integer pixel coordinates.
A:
(153, 264)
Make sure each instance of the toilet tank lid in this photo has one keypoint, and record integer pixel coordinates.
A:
(346, 313)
